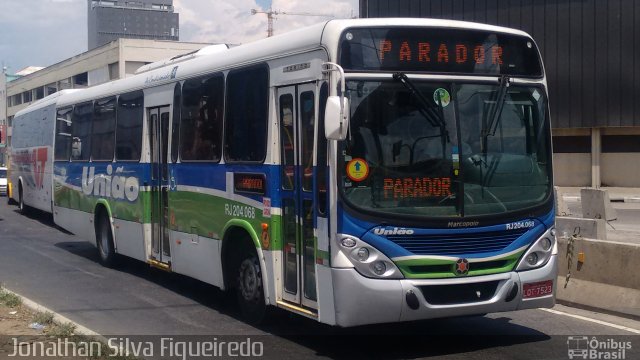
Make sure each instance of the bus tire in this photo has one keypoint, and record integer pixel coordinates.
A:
(250, 288)
(21, 206)
(104, 241)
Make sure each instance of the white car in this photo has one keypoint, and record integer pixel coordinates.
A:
(3, 181)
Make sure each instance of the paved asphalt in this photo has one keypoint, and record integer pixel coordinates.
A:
(61, 271)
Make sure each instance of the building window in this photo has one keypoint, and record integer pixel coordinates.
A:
(64, 84)
(51, 89)
(27, 96)
(39, 93)
(81, 80)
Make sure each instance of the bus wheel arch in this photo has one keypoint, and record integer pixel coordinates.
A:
(105, 240)
(243, 273)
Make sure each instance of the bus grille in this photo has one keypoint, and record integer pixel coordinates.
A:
(459, 294)
(457, 244)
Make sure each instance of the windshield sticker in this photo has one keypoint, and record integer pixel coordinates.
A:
(357, 169)
(536, 95)
(455, 158)
(442, 96)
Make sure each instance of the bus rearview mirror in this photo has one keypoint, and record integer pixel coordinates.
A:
(336, 118)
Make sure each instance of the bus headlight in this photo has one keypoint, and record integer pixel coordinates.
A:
(379, 268)
(539, 253)
(362, 254)
(367, 260)
(348, 242)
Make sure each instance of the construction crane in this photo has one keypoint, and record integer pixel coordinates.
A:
(272, 13)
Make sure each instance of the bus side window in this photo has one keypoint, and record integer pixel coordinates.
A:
(175, 127)
(129, 127)
(307, 119)
(201, 120)
(104, 123)
(63, 134)
(81, 120)
(246, 114)
(322, 153)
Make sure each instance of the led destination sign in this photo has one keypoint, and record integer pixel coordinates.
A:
(416, 188)
(249, 183)
(437, 50)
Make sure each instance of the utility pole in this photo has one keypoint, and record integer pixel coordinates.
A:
(272, 13)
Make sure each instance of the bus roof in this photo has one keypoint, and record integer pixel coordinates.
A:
(322, 35)
(46, 101)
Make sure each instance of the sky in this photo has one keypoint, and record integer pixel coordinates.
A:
(44, 32)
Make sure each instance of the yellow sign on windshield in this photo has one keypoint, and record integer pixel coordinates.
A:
(357, 169)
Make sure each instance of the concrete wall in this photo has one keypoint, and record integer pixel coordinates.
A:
(572, 169)
(608, 279)
(620, 169)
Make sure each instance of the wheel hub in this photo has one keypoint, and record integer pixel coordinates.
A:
(249, 283)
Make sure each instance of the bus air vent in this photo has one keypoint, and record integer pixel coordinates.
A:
(457, 244)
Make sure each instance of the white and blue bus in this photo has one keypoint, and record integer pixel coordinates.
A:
(357, 171)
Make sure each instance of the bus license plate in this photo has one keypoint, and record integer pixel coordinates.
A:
(537, 289)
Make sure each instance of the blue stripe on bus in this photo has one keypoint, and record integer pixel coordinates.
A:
(364, 230)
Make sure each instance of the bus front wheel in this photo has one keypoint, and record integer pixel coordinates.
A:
(250, 289)
(104, 242)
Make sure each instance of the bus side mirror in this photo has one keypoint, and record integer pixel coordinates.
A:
(336, 121)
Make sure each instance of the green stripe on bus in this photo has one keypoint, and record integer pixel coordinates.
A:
(441, 268)
(120, 209)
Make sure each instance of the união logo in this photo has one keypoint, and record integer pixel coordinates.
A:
(105, 185)
(394, 231)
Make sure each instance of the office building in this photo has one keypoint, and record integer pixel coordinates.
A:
(109, 20)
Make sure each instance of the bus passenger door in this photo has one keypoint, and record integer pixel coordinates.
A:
(158, 142)
(296, 109)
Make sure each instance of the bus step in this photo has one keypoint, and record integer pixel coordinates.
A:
(159, 265)
(311, 313)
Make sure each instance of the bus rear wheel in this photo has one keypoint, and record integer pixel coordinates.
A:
(104, 242)
(21, 206)
(250, 289)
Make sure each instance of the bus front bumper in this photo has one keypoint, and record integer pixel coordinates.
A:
(360, 300)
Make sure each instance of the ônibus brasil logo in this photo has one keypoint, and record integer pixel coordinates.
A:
(581, 347)
(116, 187)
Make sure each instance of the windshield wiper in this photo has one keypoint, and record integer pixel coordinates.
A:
(436, 119)
(496, 110)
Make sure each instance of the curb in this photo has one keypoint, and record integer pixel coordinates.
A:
(79, 330)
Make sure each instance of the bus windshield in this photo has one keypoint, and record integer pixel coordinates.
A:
(445, 149)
